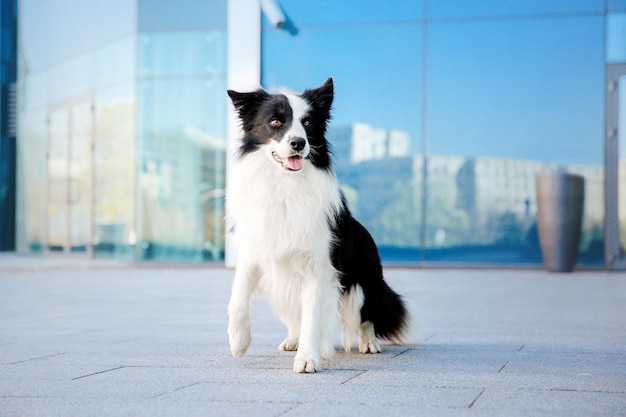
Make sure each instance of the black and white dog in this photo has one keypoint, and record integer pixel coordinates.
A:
(298, 243)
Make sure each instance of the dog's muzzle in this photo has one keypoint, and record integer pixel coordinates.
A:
(292, 163)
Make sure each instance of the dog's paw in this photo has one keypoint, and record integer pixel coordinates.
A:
(239, 344)
(369, 346)
(290, 344)
(367, 338)
(239, 337)
(307, 364)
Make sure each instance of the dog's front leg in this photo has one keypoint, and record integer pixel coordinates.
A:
(239, 335)
(308, 356)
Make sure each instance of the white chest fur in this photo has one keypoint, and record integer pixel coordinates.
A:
(277, 213)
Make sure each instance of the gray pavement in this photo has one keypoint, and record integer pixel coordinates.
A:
(101, 338)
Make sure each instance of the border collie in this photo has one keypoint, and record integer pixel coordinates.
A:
(298, 244)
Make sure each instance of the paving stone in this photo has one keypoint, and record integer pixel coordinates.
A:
(92, 339)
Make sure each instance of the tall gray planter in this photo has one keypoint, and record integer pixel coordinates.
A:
(560, 198)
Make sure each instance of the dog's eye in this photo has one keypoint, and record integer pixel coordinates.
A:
(306, 123)
(276, 123)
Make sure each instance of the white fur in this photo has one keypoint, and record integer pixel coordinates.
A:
(350, 311)
(281, 222)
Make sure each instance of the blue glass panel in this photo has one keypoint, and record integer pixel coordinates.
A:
(501, 98)
(331, 12)
(54, 31)
(507, 89)
(462, 9)
(616, 38)
(376, 124)
(183, 53)
(376, 71)
(176, 15)
(616, 5)
(181, 143)
(114, 167)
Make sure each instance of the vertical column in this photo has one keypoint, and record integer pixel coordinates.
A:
(244, 73)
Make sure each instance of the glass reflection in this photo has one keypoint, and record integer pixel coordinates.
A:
(58, 184)
(181, 143)
(482, 93)
(80, 179)
(616, 38)
(121, 133)
(69, 187)
(114, 167)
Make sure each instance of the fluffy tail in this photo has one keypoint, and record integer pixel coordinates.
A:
(395, 318)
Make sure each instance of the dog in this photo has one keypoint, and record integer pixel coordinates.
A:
(298, 243)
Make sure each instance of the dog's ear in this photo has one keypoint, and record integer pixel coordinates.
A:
(247, 104)
(321, 97)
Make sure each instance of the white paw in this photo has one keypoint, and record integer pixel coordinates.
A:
(307, 364)
(370, 346)
(290, 344)
(367, 338)
(239, 337)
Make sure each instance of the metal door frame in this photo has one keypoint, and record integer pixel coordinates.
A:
(613, 258)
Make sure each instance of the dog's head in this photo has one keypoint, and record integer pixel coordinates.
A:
(287, 128)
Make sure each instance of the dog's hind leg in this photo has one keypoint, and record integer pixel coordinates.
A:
(239, 333)
(290, 344)
(350, 311)
(367, 338)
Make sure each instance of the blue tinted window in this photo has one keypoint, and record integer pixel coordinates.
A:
(616, 38)
(454, 9)
(182, 53)
(181, 143)
(175, 15)
(445, 112)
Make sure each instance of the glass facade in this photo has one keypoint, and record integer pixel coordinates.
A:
(446, 111)
(122, 129)
(181, 135)
(76, 98)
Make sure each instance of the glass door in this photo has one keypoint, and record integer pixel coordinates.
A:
(615, 227)
(70, 178)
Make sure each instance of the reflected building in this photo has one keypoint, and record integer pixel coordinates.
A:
(481, 202)
(361, 142)
(122, 126)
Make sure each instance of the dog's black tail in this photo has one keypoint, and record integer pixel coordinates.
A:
(387, 311)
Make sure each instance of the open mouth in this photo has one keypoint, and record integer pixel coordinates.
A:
(292, 163)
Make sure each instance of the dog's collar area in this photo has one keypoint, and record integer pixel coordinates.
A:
(292, 163)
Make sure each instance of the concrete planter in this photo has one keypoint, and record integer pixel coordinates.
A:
(560, 198)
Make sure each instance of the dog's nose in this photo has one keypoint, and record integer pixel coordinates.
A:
(297, 144)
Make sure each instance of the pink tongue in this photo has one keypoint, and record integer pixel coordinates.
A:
(294, 163)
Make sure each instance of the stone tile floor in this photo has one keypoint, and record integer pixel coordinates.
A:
(97, 338)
